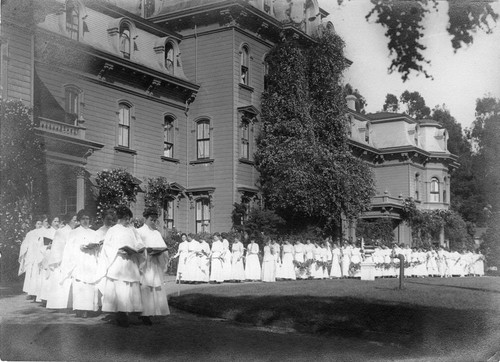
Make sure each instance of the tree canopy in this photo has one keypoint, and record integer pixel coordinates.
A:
(404, 24)
(307, 171)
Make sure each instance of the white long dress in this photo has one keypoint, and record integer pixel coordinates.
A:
(80, 265)
(60, 287)
(182, 253)
(204, 262)
(299, 258)
(42, 285)
(27, 260)
(335, 271)
(356, 259)
(226, 268)
(153, 292)
(237, 266)
(252, 266)
(192, 265)
(346, 260)
(217, 262)
(287, 267)
(121, 276)
(268, 265)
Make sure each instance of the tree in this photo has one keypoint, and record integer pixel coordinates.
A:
(22, 180)
(404, 23)
(415, 105)
(307, 172)
(115, 188)
(391, 103)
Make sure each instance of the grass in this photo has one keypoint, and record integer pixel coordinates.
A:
(436, 314)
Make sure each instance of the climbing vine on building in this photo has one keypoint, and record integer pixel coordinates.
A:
(115, 188)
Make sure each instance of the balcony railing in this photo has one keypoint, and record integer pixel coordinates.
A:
(62, 128)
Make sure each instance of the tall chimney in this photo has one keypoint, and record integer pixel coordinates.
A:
(351, 101)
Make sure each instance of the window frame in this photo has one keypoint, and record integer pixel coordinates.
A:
(245, 65)
(122, 126)
(245, 141)
(168, 214)
(203, 224)
(205, 140)
(169, 49)
(171, 133)
(72, 28)
(144, 5)
(125, 26)
(434, 194)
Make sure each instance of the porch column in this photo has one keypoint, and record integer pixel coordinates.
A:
(80, 189)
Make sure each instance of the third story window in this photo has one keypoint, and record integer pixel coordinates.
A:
(169, 58)
(125, 40)
(244, 66)
(72, 20)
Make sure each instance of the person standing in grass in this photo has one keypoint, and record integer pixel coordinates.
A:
(153, 293)
(226, 267)
(268, 264)
(182, 254)
(237, 266)
(121, 287)
(287, 267)
(217, 260)
(336, 271)
(27, 258)
(204, 261)
(252, 267)
(298, 257)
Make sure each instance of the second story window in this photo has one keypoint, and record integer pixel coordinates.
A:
(244, 75)
(72, 20)
(245, 140)
(168, 137)
(72, 104)
(124, 125)
(203, 215)
(434, 194)
(203, 139)
(125, 40)
(169, 58)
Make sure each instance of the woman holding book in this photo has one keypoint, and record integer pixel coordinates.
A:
(217, 260)
(45, 243)
(80, 265)
(27, 258)
(119, 274)
(153, 293)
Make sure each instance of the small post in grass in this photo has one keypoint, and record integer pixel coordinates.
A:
(179, 285)
(401, 258)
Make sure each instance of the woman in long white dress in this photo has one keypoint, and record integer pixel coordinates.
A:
(309, 258)
(192, 264)
(346, 260)
(204, 261)
(217, 260)
(226, 267)
(287, 267)
(120, 269)
(252, 266)
(356, 259)
(237, 266)
(153, 293)
(268, 264)
(335, 271)
(42, 286)
(80, 265)
(298, 256)
(182, 254)
(60, 287)
(27, 258)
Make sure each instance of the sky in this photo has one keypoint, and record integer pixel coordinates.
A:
(459, 78)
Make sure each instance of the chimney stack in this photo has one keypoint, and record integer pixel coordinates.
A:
(351, 101)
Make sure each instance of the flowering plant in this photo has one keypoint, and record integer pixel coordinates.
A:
(116, 187)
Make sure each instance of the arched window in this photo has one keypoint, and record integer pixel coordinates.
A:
(434, 194)
(244, 75)
(125, 40)
(72, 20)
(148, 8)
(203, 139)
(169, 57)
(124, 119)
(203, 215)
(245, 140)
(168, 136)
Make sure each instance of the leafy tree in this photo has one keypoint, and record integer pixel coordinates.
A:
(158, 192)
(307, 172)
(415, 105)
(116, 187)
(403, 21)
(491, 241)
(22, 180)
(391, 103)
(376, 230)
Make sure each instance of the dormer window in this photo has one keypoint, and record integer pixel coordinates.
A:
(125, 40)
(72, 20)
(169, 57)
(244, 73)
(148, 8)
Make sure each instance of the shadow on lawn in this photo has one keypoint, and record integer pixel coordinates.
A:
(453, 286)
(435, 328)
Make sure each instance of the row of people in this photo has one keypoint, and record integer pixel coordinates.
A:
(224, 261)
(116, 269)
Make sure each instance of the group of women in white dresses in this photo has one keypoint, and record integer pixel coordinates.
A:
(112, 269)
(223, 261)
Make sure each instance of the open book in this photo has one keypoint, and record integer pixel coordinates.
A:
(47, 241)
(94, 245)
(149, 250)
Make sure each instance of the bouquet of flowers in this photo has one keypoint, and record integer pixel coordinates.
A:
(354, 267)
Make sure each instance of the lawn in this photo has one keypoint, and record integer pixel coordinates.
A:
(433, 315)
